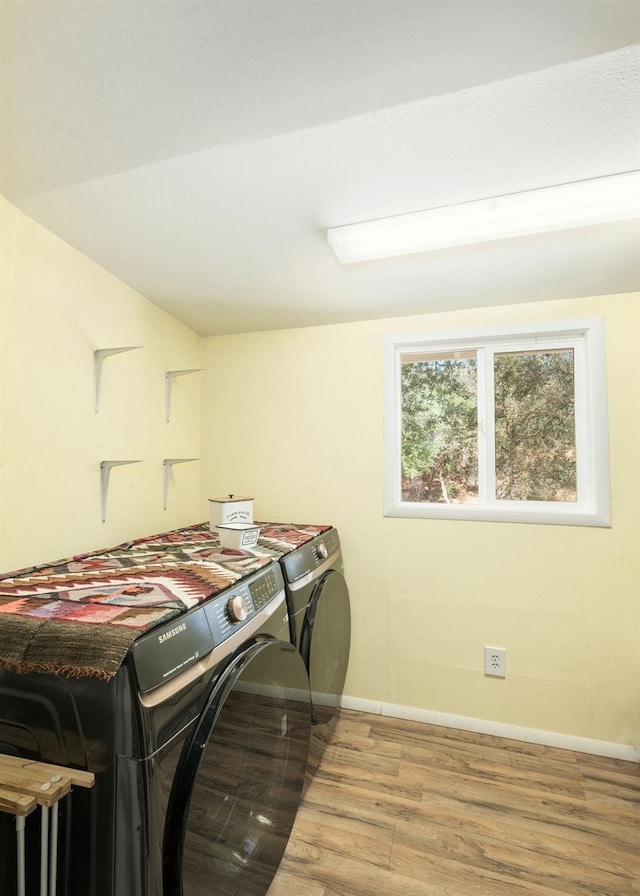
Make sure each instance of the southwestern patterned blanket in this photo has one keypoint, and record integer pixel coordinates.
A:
(79, 616)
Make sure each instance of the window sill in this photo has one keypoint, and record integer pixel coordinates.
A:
(514, 512)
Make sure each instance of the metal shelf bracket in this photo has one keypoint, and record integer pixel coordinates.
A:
(105, 471)
(170, 376)
(98, 360)
(167, 463)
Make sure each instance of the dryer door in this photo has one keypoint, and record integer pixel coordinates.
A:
(324, 644)
(240, 777)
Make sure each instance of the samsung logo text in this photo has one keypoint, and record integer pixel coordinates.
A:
(172, 632)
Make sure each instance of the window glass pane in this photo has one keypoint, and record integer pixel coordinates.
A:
(439, 428)
(535, 426)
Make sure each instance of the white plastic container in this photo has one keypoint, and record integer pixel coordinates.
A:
(239, 536)
(230, 510)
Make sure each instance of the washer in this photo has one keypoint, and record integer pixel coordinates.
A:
(199, 745)
(320, 622)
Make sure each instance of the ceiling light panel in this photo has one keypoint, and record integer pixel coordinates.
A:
(580, 204)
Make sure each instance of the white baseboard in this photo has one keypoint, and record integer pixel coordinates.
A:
(497, 729)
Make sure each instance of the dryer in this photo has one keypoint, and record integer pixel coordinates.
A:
(320, 625)
(199, 745)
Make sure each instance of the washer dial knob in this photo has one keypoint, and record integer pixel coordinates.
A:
(323, 551)
(237, 608)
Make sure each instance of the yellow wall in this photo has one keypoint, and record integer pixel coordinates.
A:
(294, 418)
(57, 307)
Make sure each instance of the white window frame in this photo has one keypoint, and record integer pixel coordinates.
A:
(586, 336)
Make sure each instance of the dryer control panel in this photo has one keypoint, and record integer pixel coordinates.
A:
(305, 560)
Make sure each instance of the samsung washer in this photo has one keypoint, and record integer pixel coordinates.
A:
(199, 746)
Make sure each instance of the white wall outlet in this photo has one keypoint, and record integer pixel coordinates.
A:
(495, 661)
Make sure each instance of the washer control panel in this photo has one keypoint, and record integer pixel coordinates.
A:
(239, 604)
(265, 586)
(171, 648)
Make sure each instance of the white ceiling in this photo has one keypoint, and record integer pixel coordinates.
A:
(199, 149)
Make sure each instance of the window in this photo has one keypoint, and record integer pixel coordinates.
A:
(508, 424)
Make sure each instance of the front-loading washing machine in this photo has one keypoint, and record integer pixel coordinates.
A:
(199, 746)
(320, 622)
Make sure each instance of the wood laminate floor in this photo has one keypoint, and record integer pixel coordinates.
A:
(401, 808)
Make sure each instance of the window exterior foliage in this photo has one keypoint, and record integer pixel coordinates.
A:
(440, 430)
(535, 426)
(506, 425)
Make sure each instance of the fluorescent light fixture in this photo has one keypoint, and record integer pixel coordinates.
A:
(579, 204)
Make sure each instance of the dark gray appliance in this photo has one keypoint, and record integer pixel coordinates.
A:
(320, 621)
(199, 745)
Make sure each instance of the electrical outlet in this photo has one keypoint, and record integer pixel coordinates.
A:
(495, 661)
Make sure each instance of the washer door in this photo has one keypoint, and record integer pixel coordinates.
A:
(324, 644)
(240, 777)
